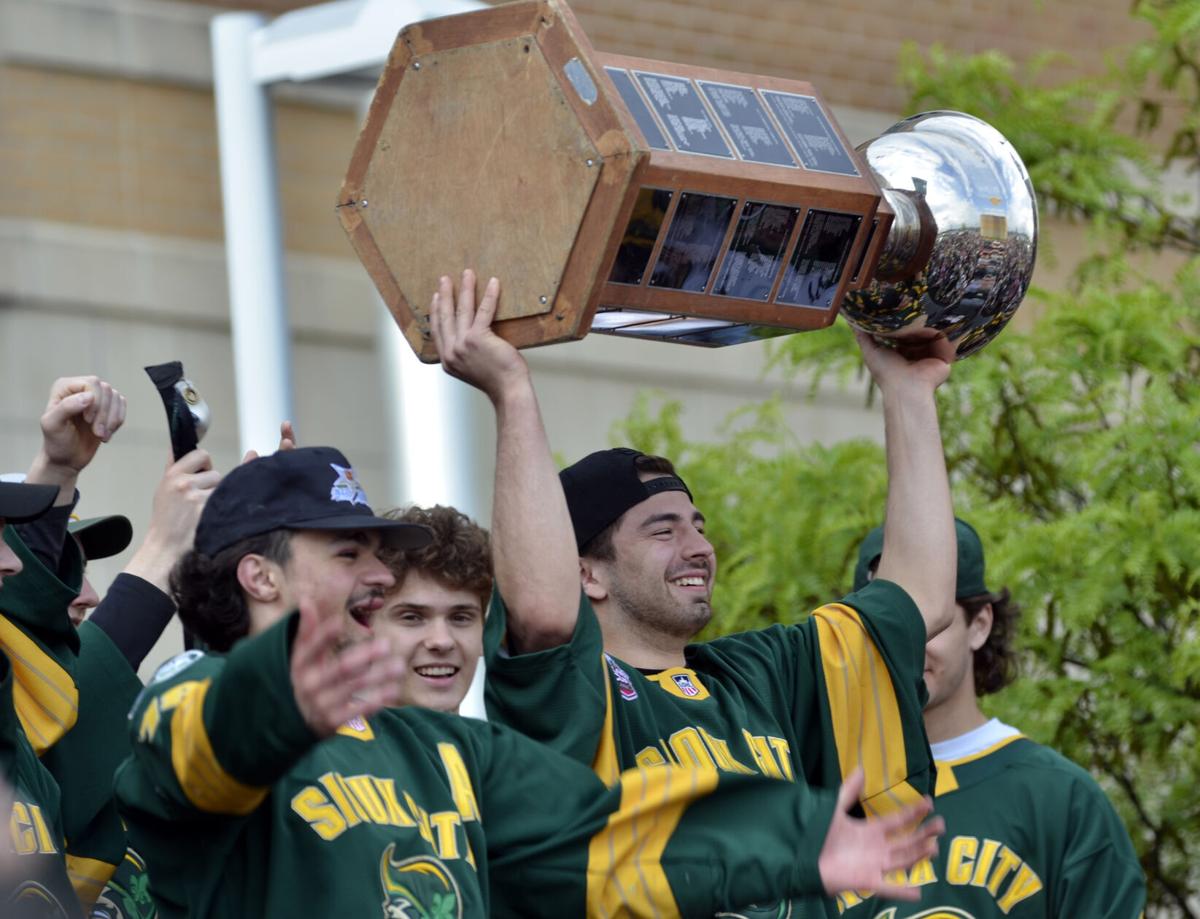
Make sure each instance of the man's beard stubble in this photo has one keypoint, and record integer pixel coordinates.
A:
(660, 611)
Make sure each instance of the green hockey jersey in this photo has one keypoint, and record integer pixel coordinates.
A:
(1029, 835)
(805, 703)
(35, 885)
(240, 811)
(72, 692)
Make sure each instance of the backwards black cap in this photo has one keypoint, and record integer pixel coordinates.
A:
(604, 485)
(308, 488)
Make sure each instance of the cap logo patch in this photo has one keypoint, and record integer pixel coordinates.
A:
(624, 684)
(346, 487)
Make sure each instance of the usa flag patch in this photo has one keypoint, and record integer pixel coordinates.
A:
(685, 684)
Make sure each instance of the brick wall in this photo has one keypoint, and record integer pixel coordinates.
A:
(849, 48)
(134, 156)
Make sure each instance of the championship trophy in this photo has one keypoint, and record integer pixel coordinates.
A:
(661, 201)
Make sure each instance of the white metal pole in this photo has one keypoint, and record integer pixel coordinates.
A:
(253, 237)
(434, 444)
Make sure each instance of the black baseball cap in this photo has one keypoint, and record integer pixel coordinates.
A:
(102, 537)
(970, 581)
(308, 488)
(604, 485)
(20, 503)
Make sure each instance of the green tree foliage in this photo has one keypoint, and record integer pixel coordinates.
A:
(1071, 445)
(1167, 72)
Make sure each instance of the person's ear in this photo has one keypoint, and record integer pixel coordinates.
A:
(260, 578)
(979, 628)
(590, 577)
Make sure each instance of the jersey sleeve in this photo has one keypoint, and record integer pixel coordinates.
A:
(83, 763)
(133, 614)
(33, 829)
(41, 643)
(210, 735)
(8, 725)
(665, 841)
(213, 738)
(853, 676)
(1101, 875)
(560, 696)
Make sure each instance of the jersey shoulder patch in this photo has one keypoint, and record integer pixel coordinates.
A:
(176, 665)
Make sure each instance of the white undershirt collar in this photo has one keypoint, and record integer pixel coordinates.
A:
(974, 741)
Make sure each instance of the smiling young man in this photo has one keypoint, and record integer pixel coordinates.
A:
(277, 780)
(606, 577)
(1030, 835)
(433, 617)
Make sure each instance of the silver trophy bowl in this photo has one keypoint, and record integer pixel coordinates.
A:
(961, 250)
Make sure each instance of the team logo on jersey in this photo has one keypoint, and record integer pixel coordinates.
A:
(30, 900)
(937, 912)
(624, 684)
(418, 888)
(346, 486)
(127, 894)
(685, 684)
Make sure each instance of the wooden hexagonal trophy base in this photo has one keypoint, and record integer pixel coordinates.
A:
(608, 193)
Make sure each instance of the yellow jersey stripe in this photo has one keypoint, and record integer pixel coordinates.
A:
(625, 873)
(88, 877)
(605, 764)
(864, 710)
(947, 781)
(44, 694)
(207, 785)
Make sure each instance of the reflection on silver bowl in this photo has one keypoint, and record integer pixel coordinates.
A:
(960, 255)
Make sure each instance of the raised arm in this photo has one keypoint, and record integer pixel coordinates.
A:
(178, 501)
(138, 605)
(81, 413)
(533, 544)
(919, 550)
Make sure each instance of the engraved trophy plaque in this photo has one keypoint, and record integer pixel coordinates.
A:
(667, 202)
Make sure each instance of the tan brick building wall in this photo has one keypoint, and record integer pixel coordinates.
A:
(849, 48)
(134, 156)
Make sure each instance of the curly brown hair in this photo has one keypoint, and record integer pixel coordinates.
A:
(460, 555)
(996, 660)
